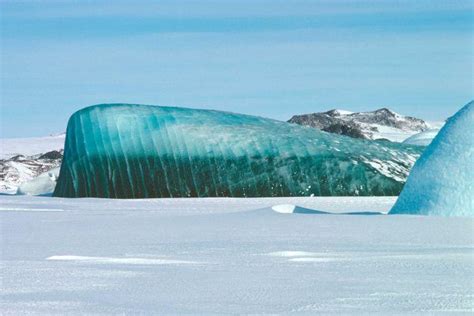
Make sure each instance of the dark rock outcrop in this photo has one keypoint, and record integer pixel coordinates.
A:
(366, 125)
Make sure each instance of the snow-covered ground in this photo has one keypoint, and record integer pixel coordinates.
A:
(94, 256)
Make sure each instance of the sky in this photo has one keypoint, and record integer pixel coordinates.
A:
(269, 58)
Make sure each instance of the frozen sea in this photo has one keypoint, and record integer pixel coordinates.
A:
(201, 256)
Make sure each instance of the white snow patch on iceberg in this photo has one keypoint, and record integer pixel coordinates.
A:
(388, 169)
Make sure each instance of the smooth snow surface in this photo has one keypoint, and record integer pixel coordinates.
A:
(106, 260)
(442, 179)
(238, 256)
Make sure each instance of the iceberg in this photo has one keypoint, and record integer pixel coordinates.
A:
(423, 138)
(143, 151)
(43, 184)
(442, 180)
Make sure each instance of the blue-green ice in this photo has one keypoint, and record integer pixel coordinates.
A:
(442, 180)
(141, 151)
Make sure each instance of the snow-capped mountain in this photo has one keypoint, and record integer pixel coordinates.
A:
(22, 159)
(380, 124)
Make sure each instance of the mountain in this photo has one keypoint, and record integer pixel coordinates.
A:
(379, 124)
(23, 159)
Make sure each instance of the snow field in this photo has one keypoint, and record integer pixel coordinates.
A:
(175, 256)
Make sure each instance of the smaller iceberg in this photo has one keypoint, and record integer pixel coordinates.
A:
(43, 184)
(442, 180)
(422, 139)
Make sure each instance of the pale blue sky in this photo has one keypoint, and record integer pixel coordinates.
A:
(268, 58)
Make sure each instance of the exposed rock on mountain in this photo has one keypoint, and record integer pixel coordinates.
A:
(382, 123)
(344, 129)
(55, 154)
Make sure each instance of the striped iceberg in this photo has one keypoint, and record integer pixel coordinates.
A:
(142, 151)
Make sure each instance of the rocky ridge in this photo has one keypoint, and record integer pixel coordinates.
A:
(379, 124)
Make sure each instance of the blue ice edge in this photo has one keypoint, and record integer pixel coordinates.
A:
(294, 209)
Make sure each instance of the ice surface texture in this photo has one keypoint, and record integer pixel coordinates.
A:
(441, 182)
(141, 151)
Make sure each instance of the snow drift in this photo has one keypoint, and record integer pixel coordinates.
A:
(442, 180)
